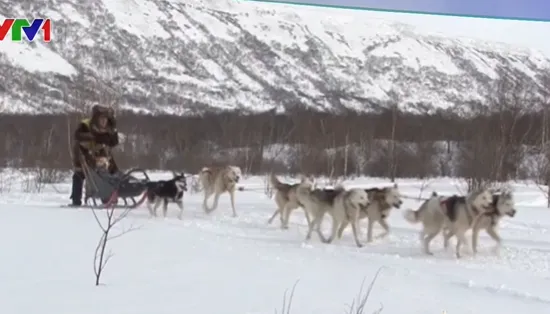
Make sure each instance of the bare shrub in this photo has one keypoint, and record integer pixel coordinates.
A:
(287, 304)
(268, 189)
(37, 178)
(107, 226)
(357, 305)
(5, 182)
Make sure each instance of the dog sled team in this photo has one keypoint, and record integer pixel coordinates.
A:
(446, 215)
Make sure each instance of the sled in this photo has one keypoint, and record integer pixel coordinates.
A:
(109, 188)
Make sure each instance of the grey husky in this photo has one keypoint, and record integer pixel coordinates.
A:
(381, 201)
(455, 212)
(343, 205)
(501, 205)
(286, 200)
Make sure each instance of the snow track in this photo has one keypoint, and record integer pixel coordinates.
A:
(216, 263)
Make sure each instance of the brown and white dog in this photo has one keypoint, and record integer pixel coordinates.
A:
(218, 180)
(381, 201)
(286, 200)
(343, 205)
(454, 213)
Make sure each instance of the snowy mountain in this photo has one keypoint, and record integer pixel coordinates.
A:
(180, 57)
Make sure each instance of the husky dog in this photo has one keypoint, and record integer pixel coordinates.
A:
(432, 218)
(166, 191)
(286, 200)
(458, 215)
(502, 205)
(380, 202)
(316, 203)
(346, 209)
(218, 180)
(343, 205)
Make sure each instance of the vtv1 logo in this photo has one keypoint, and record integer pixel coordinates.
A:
(20, 26)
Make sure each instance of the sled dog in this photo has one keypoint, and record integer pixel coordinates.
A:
(164, 192)
(218, 180)
(455, 213)
(432, 218)
(381, 201)
(286, 200)
(343, 205)
(346, 209)
(316, 203)
(501, 205)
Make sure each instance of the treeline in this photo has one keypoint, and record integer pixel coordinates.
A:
(387, 143)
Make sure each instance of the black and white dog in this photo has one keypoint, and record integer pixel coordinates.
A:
(166, 191)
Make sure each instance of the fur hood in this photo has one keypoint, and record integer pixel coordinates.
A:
(101, 111)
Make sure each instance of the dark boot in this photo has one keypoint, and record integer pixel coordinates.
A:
(78, 183)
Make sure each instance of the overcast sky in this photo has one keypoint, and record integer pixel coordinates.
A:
(528, 34)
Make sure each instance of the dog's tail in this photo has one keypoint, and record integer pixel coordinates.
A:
(275, 183)
(412, 216)
(203, 175)
(150, 191)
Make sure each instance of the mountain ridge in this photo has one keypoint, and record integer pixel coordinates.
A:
(176, 57)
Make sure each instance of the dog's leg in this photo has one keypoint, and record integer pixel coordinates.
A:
(342, 228)
(232, 197)
(310, 229)
(318, 229)
(315, 224)
(475, 236)
(150, 205)
(207, 195)
(214, 204)
(426, 240)
(156, 206)
(447, 235)
(180, 205)
(308, 219)
(386, 227)
(278, 211)
(370, 226)
(460, 240)
(491, 231)
(354, 227)
(165, 207)
(336, 223)
(285, 216)
(422, 236)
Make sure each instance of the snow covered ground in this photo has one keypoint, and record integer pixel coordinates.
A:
(219, 264)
